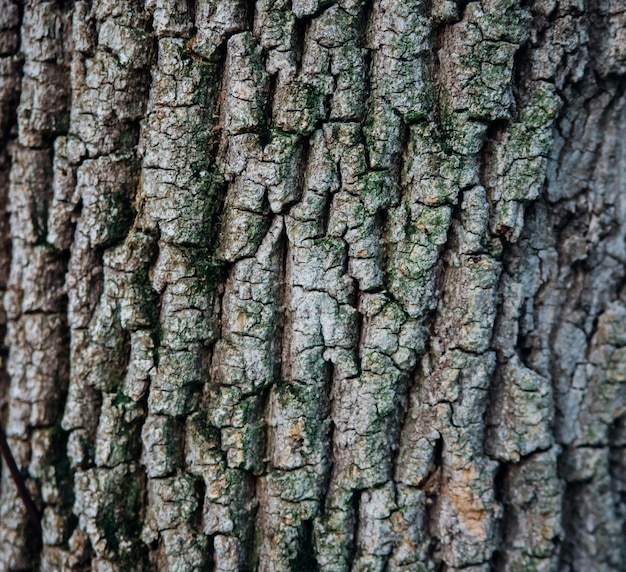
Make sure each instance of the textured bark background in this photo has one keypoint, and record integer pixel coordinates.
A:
(298, 285)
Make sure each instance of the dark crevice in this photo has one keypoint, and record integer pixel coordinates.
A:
(571, 522)
(305, 559)
(495, 132)
(264, 409)
(249, 13)
(324, 219)
(331, 453)
(437, 39)
(402, 158)
(265, 134)
(283, 318)
(353, 553)
(431, 485)
(498, 561)
(200, 492)
(191, 16)
(300, 31)
(364, 42)
(327, 400)
(500, 493)
(210, 553)
(252, 544)
(303, 165)
(522, 73)
(432, 482)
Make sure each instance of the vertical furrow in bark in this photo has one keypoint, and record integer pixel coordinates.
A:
(96, 174)
(521, 412)
(34, 301)
(227, 437)
(559, 291)
(456, 378)
(10, 85)
(590, 391)
(288, 492)
(244, 367)
(335, 274)
(566, 283)
(180, 193)
(449, 401)
(394, 305)
(333, 234)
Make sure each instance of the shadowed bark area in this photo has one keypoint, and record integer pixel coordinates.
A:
(314, 285)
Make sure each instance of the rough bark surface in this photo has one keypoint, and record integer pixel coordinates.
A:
(299, 285)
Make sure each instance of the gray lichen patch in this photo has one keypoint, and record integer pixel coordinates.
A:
(246, 85)
(521, 421)
(476, 58)
(215, 20)
(401, 44)
(521, 159)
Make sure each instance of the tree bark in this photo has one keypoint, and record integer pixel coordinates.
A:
(299, 285)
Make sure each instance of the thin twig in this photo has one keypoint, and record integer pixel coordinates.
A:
(18, 479)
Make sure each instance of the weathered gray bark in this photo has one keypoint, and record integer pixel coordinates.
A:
(296, 285)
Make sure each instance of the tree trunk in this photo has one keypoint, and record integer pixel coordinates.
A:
(299, 285)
